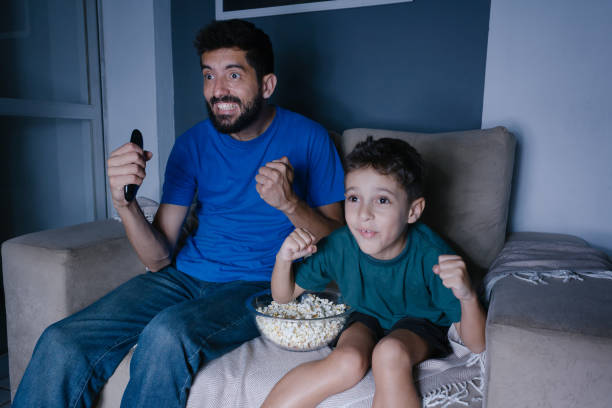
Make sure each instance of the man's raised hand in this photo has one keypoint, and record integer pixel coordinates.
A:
(275, 185)
(126, 165)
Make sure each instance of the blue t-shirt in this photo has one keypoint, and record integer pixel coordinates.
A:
(239, 234)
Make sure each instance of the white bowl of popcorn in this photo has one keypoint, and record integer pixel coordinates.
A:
(307, 323)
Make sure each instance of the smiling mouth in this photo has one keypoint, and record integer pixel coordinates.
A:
(225, 107)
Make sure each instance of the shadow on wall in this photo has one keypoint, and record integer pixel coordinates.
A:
(516, 174)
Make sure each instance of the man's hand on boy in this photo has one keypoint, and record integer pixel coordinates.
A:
(298, 244)
(275, 185)
(453, 272)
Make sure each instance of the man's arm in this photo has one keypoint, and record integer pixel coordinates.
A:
(274, 185)
(321, 220)
(155, 243)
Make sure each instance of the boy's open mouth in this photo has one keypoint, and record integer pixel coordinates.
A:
(366, 233)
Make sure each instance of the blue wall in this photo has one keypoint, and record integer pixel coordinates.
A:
(411, 66)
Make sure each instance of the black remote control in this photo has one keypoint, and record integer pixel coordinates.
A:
(129, 191)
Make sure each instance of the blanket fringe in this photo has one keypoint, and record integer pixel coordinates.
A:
(480, 359)
(536, 277)
(454, 393)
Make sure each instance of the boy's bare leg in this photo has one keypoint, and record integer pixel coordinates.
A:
(310, 383)
(392, 362)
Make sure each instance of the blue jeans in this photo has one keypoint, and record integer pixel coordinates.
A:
(179, 323)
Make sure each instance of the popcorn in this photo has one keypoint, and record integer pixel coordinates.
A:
(296, 334)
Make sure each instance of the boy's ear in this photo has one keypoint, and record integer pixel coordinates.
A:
(416, 209)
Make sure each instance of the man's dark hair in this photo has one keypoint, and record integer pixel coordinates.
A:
(391, 157)
(239, 34)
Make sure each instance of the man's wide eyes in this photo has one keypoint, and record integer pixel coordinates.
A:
(234, 75)
(352, 199)
(383, 200)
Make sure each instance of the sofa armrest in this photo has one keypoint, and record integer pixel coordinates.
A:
(51, 274)
(550, 343)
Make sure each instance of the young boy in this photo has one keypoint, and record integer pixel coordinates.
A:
(403, 281)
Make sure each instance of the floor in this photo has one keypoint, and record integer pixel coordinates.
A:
(5, 392)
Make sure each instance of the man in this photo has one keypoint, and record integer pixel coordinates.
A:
(258, 172)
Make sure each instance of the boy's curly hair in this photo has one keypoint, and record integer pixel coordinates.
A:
(391, 157)
(242, 35)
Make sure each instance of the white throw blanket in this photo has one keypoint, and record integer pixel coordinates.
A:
(244, 377)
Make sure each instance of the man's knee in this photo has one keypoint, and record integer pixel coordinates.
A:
(165, 334)
(60, 340)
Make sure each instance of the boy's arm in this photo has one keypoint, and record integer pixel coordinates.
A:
(298, 244)
(471, 328)
(284, 288)
(453, 272)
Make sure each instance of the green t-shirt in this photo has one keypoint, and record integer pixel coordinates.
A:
(386, 289)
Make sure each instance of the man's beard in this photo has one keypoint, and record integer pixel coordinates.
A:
(251, 112)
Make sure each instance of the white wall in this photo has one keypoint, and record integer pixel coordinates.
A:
(549, 81)
(137, 79)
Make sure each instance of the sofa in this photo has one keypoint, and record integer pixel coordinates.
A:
(530, 355)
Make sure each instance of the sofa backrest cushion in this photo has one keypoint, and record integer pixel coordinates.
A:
(469, 176)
